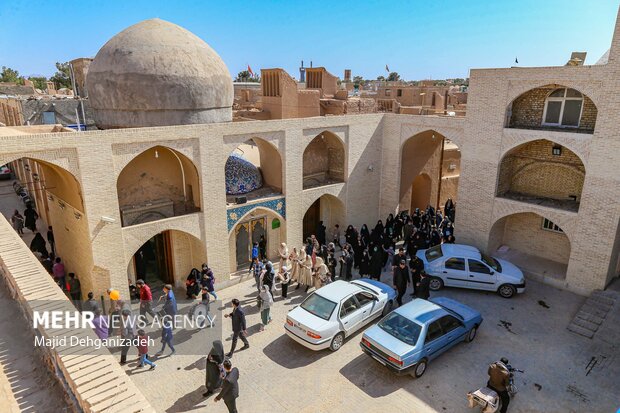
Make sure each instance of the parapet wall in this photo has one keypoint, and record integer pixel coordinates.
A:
(96, 383)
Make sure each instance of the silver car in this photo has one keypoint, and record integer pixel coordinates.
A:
(464, 266)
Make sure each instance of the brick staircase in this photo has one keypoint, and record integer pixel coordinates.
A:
(593, 312)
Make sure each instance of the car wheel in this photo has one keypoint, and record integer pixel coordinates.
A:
(420, 368)
(472, 334)
(387, 308)
(337, 342)
(435, 284)
(506, 290)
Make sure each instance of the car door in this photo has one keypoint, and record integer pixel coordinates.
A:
(453, 329)
(434, 342)
(454, 272)
(480, 277)
(350, 315)
(368, 306)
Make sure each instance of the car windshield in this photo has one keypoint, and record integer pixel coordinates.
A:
(319, 306)
(364, 287)
(433, 253)
(402, 328)
(491, 262)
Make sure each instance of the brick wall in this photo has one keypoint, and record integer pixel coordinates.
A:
(527, 110)
(524, 232)
(532, 169)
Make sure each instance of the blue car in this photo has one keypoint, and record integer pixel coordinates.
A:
(409, 337)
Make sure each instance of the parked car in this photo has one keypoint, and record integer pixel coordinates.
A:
(457, 265)
(332, 313)
(5, 173)
(414, 334)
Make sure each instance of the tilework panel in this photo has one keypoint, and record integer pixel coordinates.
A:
(277, 205)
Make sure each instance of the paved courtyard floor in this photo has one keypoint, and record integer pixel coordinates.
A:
(563, 372)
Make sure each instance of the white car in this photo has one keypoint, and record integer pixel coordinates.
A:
(336, 311)
(456, 265)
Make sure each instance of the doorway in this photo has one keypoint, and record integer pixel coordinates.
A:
(153, 261)
(246, 234)
(421, 192)
(312, 218)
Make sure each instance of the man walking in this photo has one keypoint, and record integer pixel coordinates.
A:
(230, 387)
(401, 280)
(146, 299)
(239, 327)
(257, 267)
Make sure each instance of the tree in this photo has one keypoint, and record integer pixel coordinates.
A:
(358, 79)
(40, 82)
(245, 76)
(393, 77)
(62, 77)
(11, 75)
(381, 78)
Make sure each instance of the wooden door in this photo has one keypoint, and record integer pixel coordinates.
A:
(312, 218)
(242, 243)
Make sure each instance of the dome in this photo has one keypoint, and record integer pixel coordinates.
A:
(156, 73)
(241, 176)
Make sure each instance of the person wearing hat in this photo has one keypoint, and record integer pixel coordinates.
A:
(401, 280)
(115, 309)
(423, 288)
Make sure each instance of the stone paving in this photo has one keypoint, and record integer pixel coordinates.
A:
(278, 375)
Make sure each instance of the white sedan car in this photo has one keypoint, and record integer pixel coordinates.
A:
(456, 265)
(336, 311)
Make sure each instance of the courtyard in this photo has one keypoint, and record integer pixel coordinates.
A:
(278, 375)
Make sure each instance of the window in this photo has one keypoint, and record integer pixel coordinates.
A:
(449, 323)
(491, 262)
(550, 226)
(364, 298)
(388, 92)
(319, 306)
(563, 108)
(49, 118)
(399, 92)
(477, 266)
(349, 307)
(433, 253)
(402, 328)
(434, 331)
(455, 264)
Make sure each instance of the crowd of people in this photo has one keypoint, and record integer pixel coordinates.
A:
(370, 252)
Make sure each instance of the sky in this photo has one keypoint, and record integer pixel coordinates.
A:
(419, 39)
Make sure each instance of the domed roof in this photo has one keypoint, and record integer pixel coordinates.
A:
(241, 176)
(156, 73)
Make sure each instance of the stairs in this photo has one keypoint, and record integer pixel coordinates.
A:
(593, 312)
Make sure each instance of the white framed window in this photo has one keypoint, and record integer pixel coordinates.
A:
(548, 225)
(563, 108)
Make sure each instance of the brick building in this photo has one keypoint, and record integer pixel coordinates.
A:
(159, 192)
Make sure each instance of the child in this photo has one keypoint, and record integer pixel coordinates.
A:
(143, 349)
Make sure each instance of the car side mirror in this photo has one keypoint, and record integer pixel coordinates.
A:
(492, 272)
(375, 298)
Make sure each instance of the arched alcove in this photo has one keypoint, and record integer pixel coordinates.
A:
(158, 183)
(552, 107)
(253, 170)
(323, 161)
(532, 242)
(544, 173)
